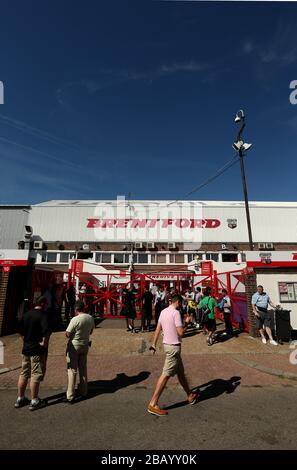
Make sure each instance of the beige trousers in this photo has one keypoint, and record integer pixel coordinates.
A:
(76, 357)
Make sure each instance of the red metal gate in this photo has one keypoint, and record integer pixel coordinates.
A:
(103, 292)
(233, 282)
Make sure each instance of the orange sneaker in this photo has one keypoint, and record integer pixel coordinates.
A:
(155, 410)
(192, 398)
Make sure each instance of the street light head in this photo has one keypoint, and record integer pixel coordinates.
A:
(246, 147)
(239, 115)
(237, 145)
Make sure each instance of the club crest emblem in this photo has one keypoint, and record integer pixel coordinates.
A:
(232, 223)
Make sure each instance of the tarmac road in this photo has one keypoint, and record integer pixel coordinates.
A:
(226, 417)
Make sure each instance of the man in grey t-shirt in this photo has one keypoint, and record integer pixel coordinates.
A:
(78, 332)
(260, 302)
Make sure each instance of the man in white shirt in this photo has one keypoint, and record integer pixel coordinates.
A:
(78, 332)
(189, 294)
(159, 303)
(198, 295)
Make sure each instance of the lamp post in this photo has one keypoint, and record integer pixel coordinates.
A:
(131, 256)
(241, 148)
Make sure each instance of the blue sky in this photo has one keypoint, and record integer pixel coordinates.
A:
(116, 97)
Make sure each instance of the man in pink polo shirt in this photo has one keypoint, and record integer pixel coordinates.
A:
(170, 323)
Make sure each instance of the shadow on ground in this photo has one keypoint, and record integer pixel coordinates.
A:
(211, 389)
(98, 387)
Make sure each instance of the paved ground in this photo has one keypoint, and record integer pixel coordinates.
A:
(117, 419)
(122, 374)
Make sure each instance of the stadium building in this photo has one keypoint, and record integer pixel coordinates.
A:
(163, 240)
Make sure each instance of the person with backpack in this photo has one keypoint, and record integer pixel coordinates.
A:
(207, 306)
(225, 308)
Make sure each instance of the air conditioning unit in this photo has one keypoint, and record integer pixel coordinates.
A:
(138, 245)
(150, 245)
(171, 246)
(261, 246)
(86, 247)
(37, 245)
(269, 246)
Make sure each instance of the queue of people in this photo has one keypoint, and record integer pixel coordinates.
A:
(154, 299)
(35, 329)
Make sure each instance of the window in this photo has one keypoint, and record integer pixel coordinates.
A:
(212, 256)
(191, 257)
(84, 255)
(121, 258)
(287, 291)
(64, 257)
(103, 257)
(174, 258)
(142, 258)
(138, 258)
(51, 257)
(229, 257)
(158, 258)
(118, 258)
(106, 258)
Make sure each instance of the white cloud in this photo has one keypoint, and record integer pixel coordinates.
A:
(109, 78)
(280, 48)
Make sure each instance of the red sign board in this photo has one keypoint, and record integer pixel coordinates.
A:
(152, 223)
(206, 268)
(78, 266)
(13, 262)
(6, 269)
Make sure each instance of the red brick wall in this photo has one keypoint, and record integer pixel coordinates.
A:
(251, 288)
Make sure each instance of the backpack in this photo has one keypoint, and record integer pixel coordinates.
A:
(205, 311)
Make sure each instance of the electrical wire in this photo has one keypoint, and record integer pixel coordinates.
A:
(39, 133)
(218, 173)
